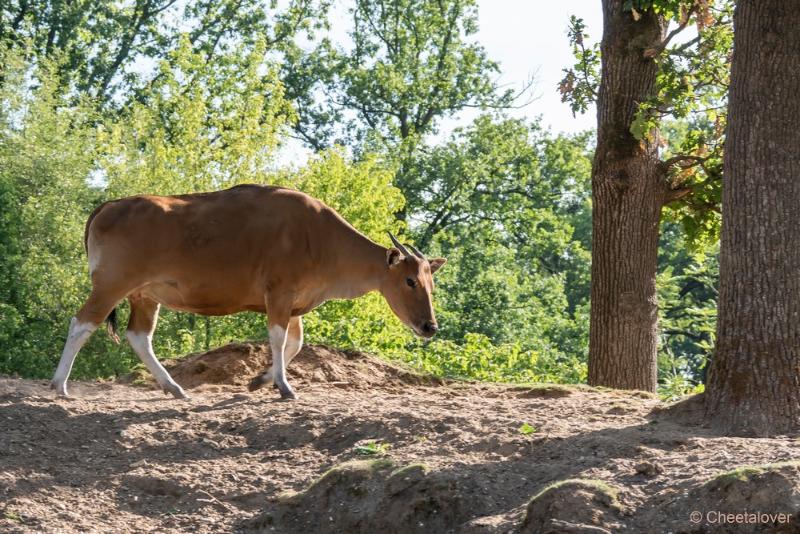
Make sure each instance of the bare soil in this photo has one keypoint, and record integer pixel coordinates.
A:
(371, 447)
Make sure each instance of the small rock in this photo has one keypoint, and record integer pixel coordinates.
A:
(649, 469)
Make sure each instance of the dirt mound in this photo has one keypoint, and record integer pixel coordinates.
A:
(371, 496)
(748, 499)
(575, 506)
(237, 363)
(234, 364)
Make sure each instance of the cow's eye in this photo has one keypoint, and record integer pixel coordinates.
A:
(411, 282)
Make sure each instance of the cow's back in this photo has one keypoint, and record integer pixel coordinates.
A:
(236, 233)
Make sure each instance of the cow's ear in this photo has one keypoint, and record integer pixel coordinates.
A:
(393, 257)
(436, 264)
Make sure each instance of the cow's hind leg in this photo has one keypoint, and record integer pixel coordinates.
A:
(95, 310)
(294, 342)
(142, 324)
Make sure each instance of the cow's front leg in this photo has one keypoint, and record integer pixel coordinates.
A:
(294, 341)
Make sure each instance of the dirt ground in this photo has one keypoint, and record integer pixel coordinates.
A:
(370, 447)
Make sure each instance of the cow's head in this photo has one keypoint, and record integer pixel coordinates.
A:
(408, 286)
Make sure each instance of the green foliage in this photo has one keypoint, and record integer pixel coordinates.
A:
(411, 63)
(372, 448)
(692, 84)
(448, 72)
(46, 155)
(526, 429)
(699, 213)
(579, 85)
(94, 40)
(201, 129)
(98, 44)
(475, 357)
(687, 293)
(13, 516)
(498, 200)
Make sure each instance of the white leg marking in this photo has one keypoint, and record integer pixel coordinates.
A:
(290, 350)
(78, 334)
(277, 343)
(142, 344)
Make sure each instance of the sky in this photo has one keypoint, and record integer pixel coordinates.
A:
(529, 38)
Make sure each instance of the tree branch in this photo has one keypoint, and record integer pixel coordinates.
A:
(681, 159)
(657, 49)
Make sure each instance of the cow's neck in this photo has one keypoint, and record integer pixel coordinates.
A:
(361, 266)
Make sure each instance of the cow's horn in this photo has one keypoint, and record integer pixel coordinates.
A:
(398, 245)
(419, 254)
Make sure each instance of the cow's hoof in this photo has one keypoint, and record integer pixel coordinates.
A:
(61, 389)
(257, 382)
(287, 393)
(175, 390)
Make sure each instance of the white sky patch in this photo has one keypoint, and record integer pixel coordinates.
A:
(528, 38)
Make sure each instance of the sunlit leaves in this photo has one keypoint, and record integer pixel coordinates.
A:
(476, 357)
(46, 155)
(104, 48)
(580, 82)
(498, 200)
(200, 128)
(411, 63)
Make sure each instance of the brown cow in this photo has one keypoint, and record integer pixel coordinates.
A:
(251, 247)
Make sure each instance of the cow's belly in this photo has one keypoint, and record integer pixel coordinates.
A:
(206, 299)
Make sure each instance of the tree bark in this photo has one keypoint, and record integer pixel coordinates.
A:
(628, 191)
(754, 382)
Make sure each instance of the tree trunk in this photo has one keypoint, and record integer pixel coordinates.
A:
(754, 382)
(628, 191)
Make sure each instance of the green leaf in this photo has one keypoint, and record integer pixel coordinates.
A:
(372, 448)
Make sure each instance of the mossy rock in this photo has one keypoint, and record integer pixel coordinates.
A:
(351, 477)
(369, 496)
(768, 490)
(573, 505)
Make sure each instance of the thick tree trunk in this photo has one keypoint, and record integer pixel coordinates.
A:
(628, 191)
(754, 382)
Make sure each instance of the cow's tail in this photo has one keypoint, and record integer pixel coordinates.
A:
(111, 325)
